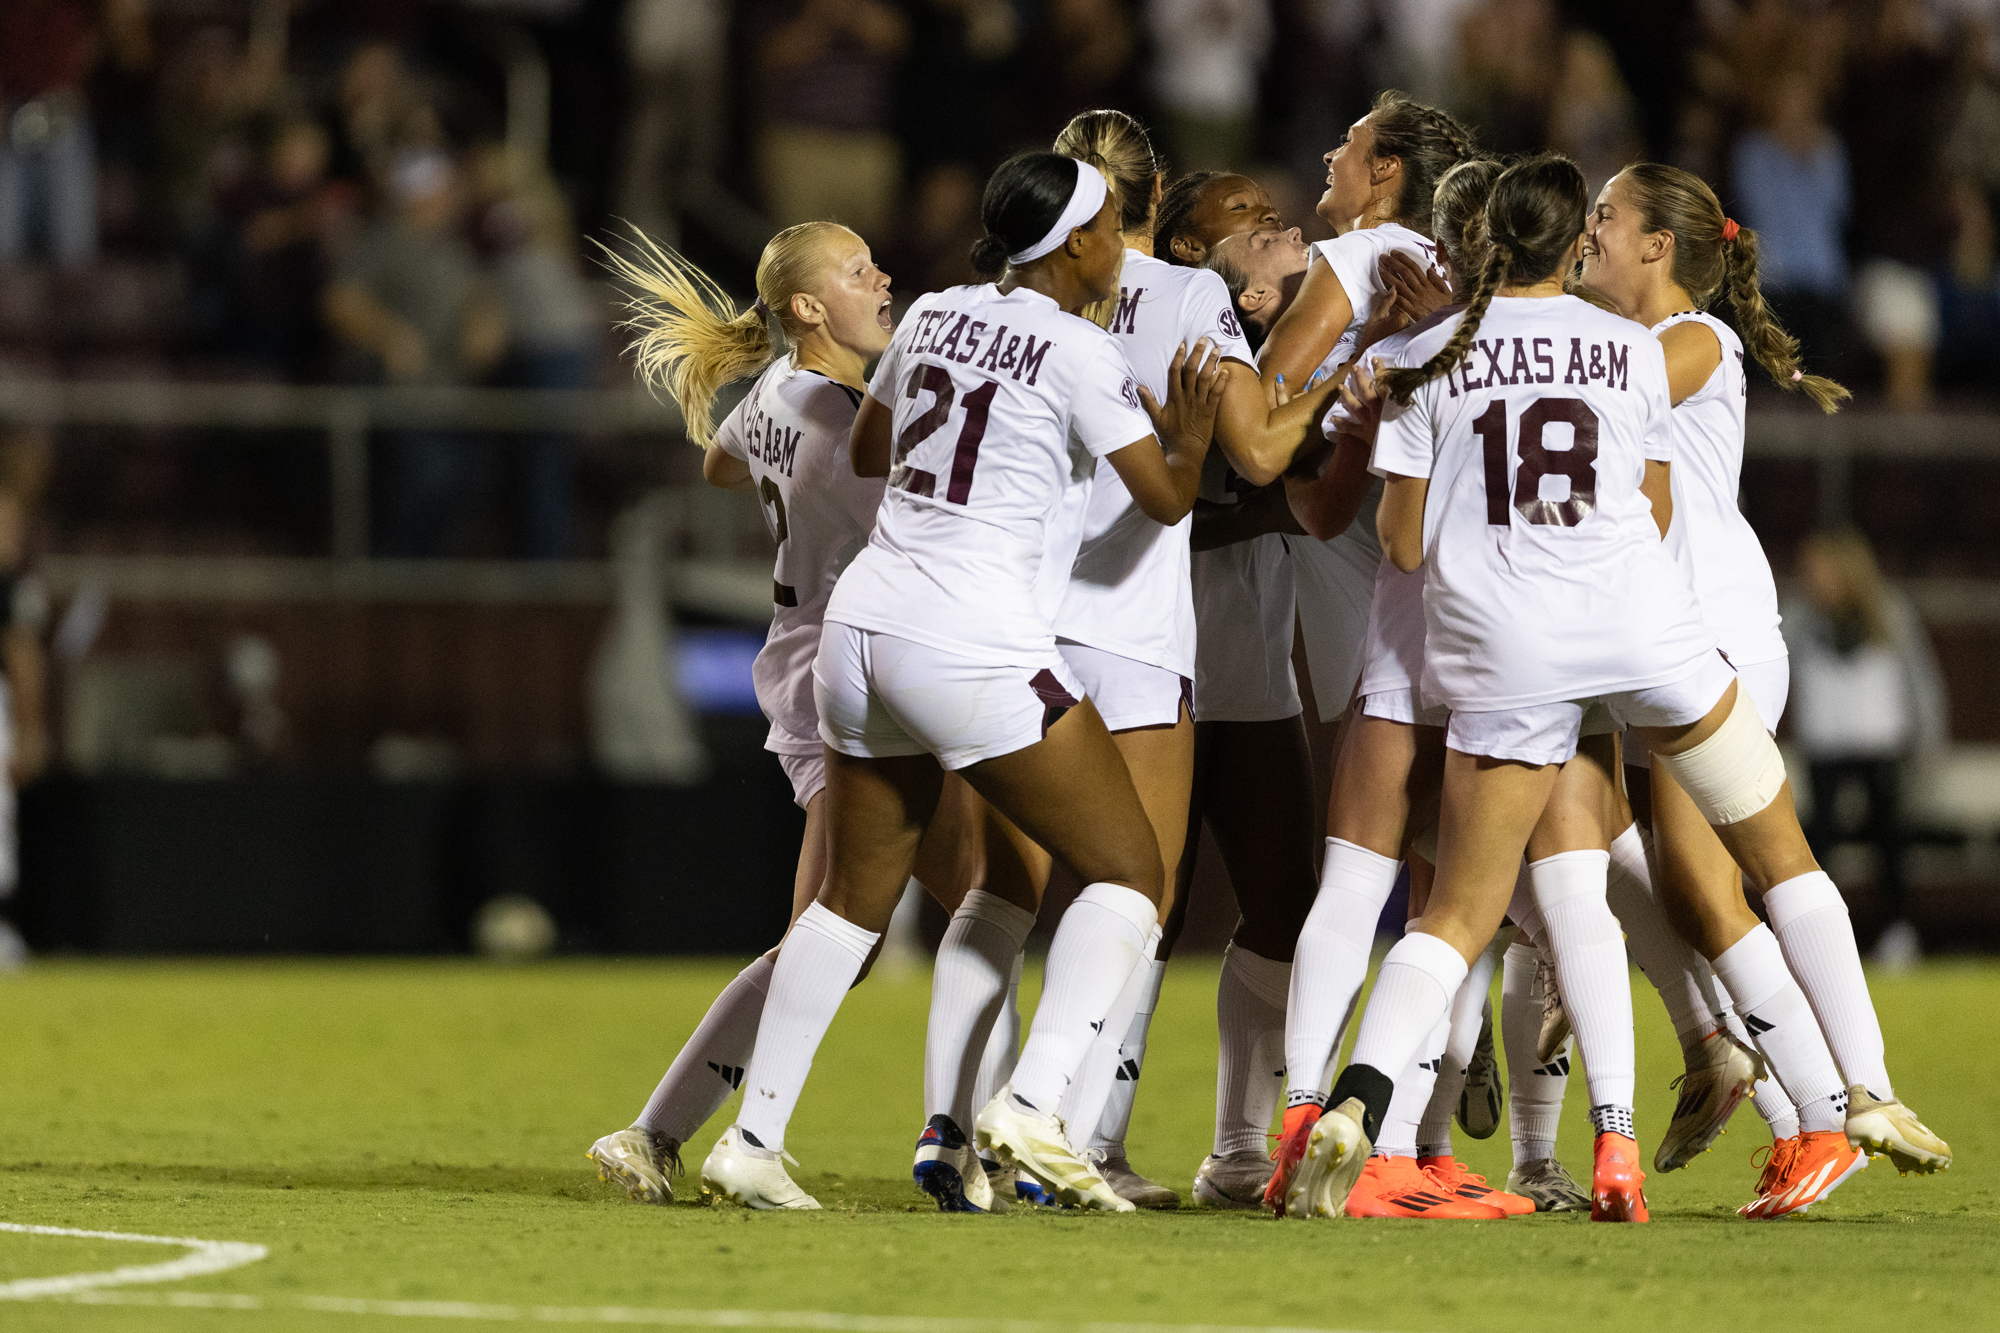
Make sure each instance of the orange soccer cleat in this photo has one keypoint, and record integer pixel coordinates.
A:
(1291, 1150)
(1462, 1182)
(1616, 1180)
(1398, 1187)
(1777, 1161)
(1819, 1163)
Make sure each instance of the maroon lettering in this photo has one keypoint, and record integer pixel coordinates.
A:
(1126, 317)
(1574, 374)
(1547, 362)
(971, 342)
(991, 361)
(1521, 372)
(948, 347)
(1031, 358)
(1618, 364)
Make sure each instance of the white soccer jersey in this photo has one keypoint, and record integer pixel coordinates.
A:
(1545, 577)
(1003, 405)
(1356, 259)
(1129, 591)
(792, 429)
(1709, 535)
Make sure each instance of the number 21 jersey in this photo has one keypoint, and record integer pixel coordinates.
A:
(1544, 575)
(1002, 406)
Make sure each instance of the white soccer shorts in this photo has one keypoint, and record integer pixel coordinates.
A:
(1547, 733)
(1128, 694)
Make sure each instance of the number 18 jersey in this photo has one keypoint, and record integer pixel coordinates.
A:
(1544, 575)
(1003, 404)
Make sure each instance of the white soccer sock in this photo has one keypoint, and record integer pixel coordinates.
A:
(974, 961)
(1398, 1136)
(1768, 1095)
(1102, 937)
(1250, 1016)
(820, 959)
(710, 1065)
(1677, 971)
(1521, 910)
(1534, 1090)
(1331, 962)
(1468, 1015)
(1589, 954)
(1089, 1092)
(1810, 920)
(1109, 1136)
(1412, 996)
(1774, 1011)
(1003, 1044)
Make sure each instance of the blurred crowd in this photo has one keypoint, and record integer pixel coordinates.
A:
(308, 190)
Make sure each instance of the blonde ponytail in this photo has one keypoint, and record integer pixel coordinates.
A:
(1775, 349)
(691, 339)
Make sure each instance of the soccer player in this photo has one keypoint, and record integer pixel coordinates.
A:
(1660, 249)
(986, 412)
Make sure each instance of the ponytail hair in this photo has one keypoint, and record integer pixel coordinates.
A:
(1534, 215)
(1710, 254)
(691, 339)
(1458, 212)
(1116, 144)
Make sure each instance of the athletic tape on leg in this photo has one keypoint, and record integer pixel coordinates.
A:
(1736, 772)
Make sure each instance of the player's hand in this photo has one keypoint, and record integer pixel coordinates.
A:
(1415, 290)
(1362, 396)
(1195, 381)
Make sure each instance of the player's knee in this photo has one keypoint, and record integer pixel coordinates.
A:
(1736, 772)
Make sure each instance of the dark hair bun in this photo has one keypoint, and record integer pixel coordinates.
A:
(989, 253)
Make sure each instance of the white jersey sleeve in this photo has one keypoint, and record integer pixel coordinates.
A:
(1356, 259)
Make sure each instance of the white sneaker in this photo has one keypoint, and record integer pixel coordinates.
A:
(754, 1177)
(1484, 1097)
(1236, 1180)
(640, 1162)
(1876, 1127)
(1335, 1154)
(1720, 1073)
(1134, 1188)
(1019, 1136)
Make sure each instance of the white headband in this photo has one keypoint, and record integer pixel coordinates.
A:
(1083, 205)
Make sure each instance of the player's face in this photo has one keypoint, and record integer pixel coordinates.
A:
(1347, 177)
(856, 297)
(1102, 252)
(1273, 259)
(1612, 246)
(1230, 206)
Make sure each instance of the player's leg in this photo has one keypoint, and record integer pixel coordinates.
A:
(1467, 1018)
(1535, 1087)
(1729, 766)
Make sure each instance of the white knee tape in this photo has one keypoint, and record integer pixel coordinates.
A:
(1736, 772)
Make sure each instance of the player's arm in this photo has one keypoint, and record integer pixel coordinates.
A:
(1657, 486)
(868, 444)
(1163, 471)
(1326, 504)
(1693, 352)
(721, 468)
(1305, 334)
(1399, 523)
(1260, 440)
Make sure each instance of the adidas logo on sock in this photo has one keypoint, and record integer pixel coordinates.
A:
(731, 1074)
(1556, 1068)
(1129, 1072)
(1758, 1027)
(1431, 1065)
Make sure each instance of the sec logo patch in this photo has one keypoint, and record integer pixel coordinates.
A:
(1129, 392)
(1229, 324)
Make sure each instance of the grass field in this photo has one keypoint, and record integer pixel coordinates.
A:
(413, 1133)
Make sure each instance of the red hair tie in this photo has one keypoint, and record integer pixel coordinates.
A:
(1729, 230)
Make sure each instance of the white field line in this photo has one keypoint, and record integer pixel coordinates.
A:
(219, 1256)
(816, 1321)
(205, 1257)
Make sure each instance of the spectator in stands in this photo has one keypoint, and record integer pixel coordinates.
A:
(1790, 184)
(410, 301)
(294, 218)
(553, 319)
(1592, 117)
(1207, 55)
(383, 111)
(678, 56)
(1866, 698)
(827, 69)
(48, 159)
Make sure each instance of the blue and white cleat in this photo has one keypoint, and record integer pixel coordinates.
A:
(950, 1171)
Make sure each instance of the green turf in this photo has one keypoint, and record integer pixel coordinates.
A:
(416, 1131)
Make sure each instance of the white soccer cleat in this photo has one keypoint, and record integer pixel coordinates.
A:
(752, 1176)
(639, 1161)
(949, 1170)
(1335, 1156)
(1720, 1074)
(1018, 1135)
(1550, 1185)
(1236, 1180)
(1876, 1127)
(1484, 1097)
(1134, 1188)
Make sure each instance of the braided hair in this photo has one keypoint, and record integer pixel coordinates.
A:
(1534, 216)
(1427, 142)
(1177, 209)
(1709, 255)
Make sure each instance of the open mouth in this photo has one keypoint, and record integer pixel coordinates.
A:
(883, 316)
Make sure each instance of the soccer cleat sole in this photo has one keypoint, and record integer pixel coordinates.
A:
(1335, 1156)
(946, 1186)
(1875, 1135)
